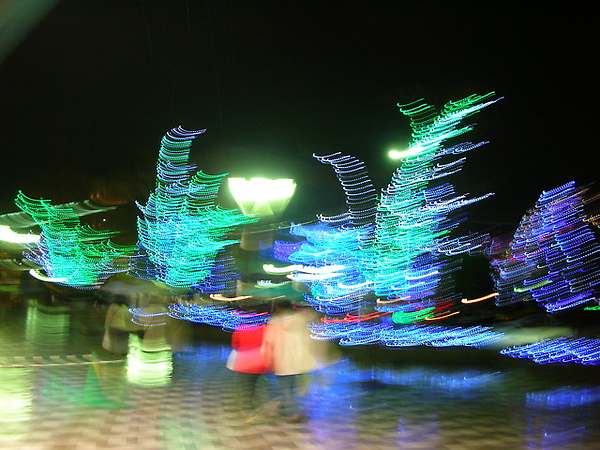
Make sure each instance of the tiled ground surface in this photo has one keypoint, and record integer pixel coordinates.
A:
(185, 399)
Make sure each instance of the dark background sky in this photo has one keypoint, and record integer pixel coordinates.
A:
(88, 94)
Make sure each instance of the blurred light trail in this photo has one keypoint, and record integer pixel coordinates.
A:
(17, 19)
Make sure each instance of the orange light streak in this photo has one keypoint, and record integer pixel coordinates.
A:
(385, 302)
(351, 318)
(222, 298)
(480, 299)
(432, 319)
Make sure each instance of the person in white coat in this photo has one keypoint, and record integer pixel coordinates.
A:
(292, 352)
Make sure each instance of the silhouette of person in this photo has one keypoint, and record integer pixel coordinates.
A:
(249, 364)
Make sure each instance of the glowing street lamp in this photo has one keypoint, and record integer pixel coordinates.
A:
(401, 154)
(265, 199)
(262, 197)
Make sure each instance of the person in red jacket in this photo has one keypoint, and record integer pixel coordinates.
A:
(249, 364)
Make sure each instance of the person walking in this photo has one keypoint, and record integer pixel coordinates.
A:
(249, 363)
(292, 352)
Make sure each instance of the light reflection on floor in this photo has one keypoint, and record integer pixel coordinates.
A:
(54, 396)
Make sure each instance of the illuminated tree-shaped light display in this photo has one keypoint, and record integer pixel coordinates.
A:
(336, 244)
(554, 257)
(71, 253)
(400, 246)
(329, 259)
(411, 261)
(182, 232)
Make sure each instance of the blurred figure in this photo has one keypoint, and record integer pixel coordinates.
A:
(293, 353)
(117, 326)
(249, 364)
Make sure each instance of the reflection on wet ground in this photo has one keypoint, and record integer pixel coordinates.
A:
(65, 383)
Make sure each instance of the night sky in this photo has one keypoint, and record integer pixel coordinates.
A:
(90, 91)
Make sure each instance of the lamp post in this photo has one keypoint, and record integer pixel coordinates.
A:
(265, 199)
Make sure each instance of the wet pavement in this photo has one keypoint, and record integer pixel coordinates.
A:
(61, 389)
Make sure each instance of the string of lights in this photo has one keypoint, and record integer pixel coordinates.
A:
(71, 253)
(554, 256)
(567, 349)
(222, 316)
(399, 245)
(350, 333)
(182, 231)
